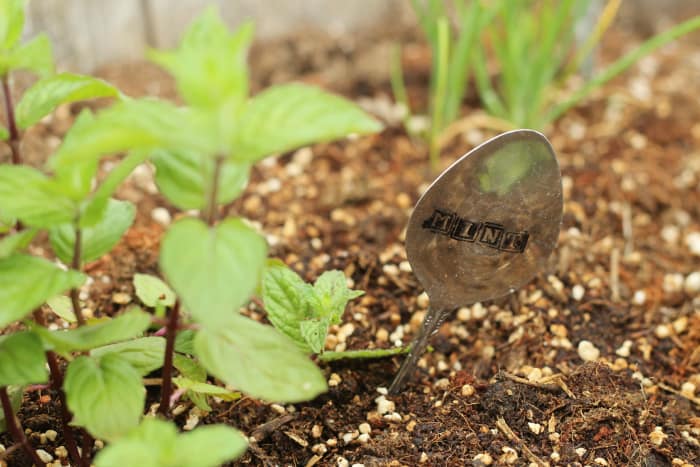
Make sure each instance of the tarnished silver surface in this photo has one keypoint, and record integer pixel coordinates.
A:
(483, 228)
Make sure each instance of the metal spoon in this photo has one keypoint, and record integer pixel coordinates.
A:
(483, 228)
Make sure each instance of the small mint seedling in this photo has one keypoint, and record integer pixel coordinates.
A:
(304, 312)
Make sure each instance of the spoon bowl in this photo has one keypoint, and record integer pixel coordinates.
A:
(483, 228)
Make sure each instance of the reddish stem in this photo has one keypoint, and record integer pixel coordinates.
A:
(167, 386)
(11, 122)
(14, 429)
(57, 386)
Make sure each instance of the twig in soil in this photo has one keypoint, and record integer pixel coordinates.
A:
(550, 383)
(564, 260)
(313, 461)
(14, 429)
(627, 229)
(503, 426)
(615, 275)
(261, 432)
(167, 384)
(666, 387)
(6, 453)
(260, 454)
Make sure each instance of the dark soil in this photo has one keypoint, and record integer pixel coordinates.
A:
(506, 382)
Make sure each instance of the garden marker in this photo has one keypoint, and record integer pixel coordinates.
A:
(483, 228)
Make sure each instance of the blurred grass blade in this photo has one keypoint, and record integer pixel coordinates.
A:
(443, 51)
(623, 63)
(398, 85)
(602, 25)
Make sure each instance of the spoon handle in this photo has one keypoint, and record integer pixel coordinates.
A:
(431, 323)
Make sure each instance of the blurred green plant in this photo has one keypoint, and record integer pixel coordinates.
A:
(452, 48)
(532, 43)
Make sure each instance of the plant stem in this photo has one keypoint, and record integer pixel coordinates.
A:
(14, 429)
(57, 386)
(75, 264)
(167, 386)
(440, 90)
(11, 122)
(210, 215)
(332, 356)
(88, 444)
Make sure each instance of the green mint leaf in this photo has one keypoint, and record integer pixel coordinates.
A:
(199, 400)
(27, 282)
(285, 296)
(183, 177)
(48, 93)
(126, 326)
(210, 446)
(98, 239)
(314, 332)
(76, 179)
(206, 388)
(145, 354)
(62, 306)
(288, 116)
(133, 124)
(152, 291)
(11, 22)
(105, 395)
(209, 67)
(331, 295)
(156, 443)
(32, 197)
(214, 270)
(259, 361)
(94, 209)
(36, 55)
(15, 393)
(16, 242)
(198, 390)
(22, 359)
(189, 368)
(184, 342)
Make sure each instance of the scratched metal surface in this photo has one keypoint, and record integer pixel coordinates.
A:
(488, 223)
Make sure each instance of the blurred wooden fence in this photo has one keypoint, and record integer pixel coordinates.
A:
(89, 33)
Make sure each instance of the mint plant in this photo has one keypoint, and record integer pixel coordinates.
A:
(304, 312)
(31, 201)
(202, 153)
